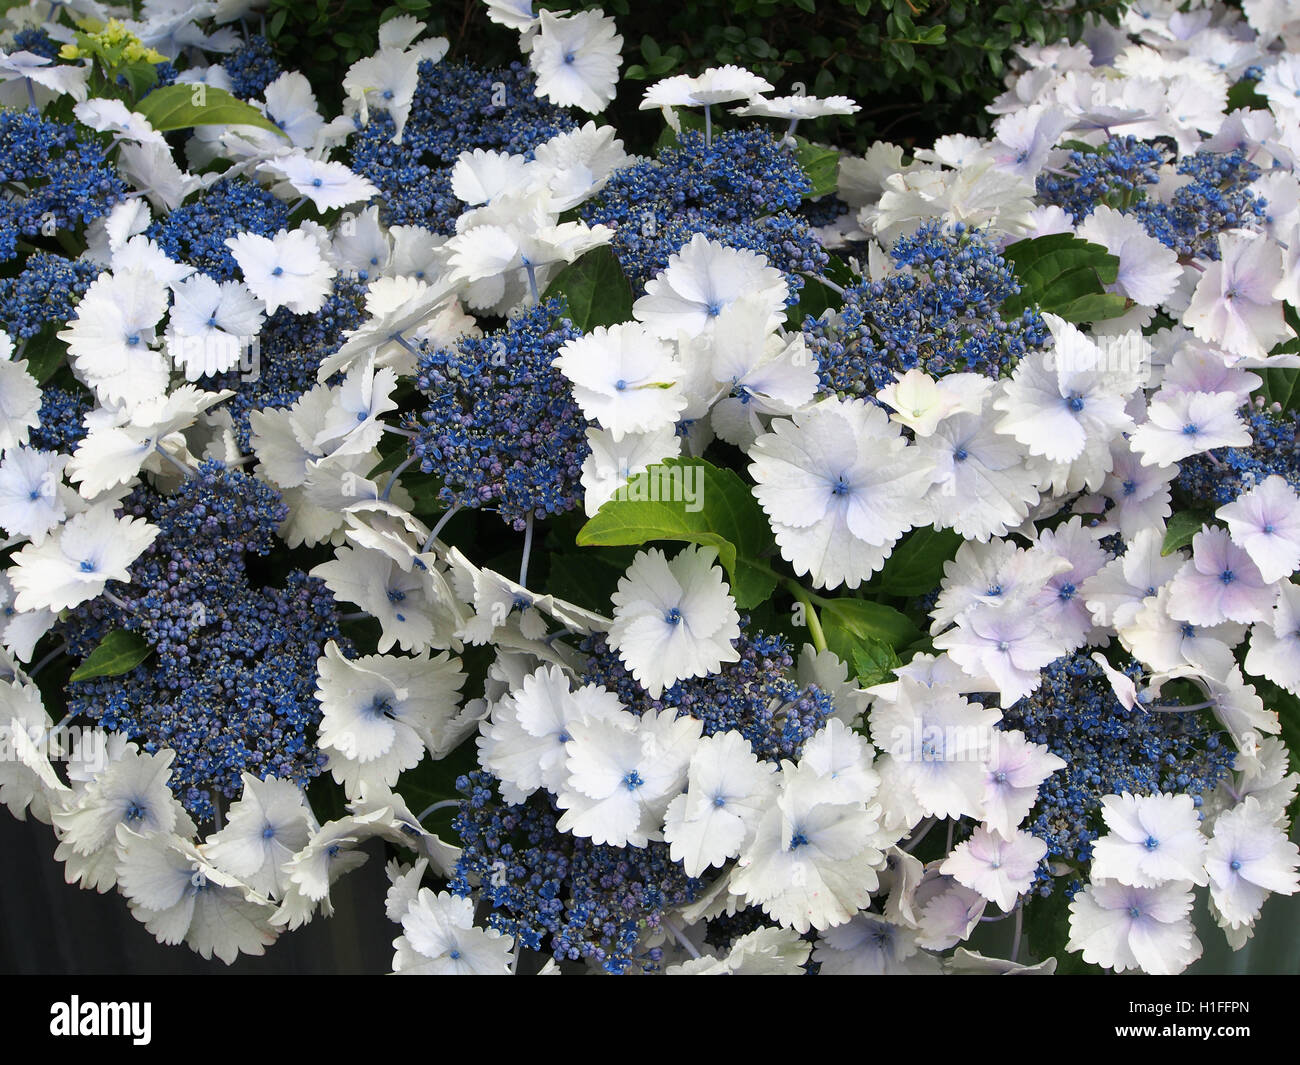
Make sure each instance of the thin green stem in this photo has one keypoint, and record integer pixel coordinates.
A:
(810, 613)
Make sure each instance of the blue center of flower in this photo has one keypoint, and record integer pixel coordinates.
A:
(388, 94)
(1152, 843)
(395, 595)
(620, 385)
(268, 832)
(317, 182)
(1075, 403)
(1130, 487)
(1234, 865)
(277, 271)
(1189, 632)
(1227, 576)
(633, 781)
(673, 617)
(133, 339)
(1133, 911)
(87, 566)
(960, 455)
(569, 57)
(798, 840)
(134, 812)
(840, 487)
(719, 800)
(454, 955)
(1190, 429)
(1066, 592)
(999, 777)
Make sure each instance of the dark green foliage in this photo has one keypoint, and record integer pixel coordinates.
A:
(919, 68)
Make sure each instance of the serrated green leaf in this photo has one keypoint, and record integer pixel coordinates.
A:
(596, 290)
(1064, 275)
(916, 564)
(1182, 526)
(850, 623)
(118, 652)
(874, 662)
(709, 506)
(186, 106)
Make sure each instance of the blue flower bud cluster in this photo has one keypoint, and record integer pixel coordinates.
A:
(68, 182)
(742, 190)
(940, 315)
(1107, 750)
(230, 680)
(502, 429)
(457, 108)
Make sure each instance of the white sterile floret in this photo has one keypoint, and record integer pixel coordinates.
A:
(212, 324)
(385, 81)
(112, 335)
(27, 779)
(291, 105)
(1183, 424)
(727, 791)
(402, 600)
(267, 826)
(1233, 305)
(763, 952)
(522, 742)
(920, 402)
(480, 176)
(813, 861)
(179, 896)
(1148, 271)
(613, 463)
(20, 398)
(576, 59)
(1219, 584)
(1122, 927)
(576, 165)
(999, 868)
(286, 270)
(624, 378)
(936, 744)
(1064, 402)
(1265, 521)
(700, 280)
(1152, 839)
(132, 791)
(840, 485)
(1014, 771)
(622, 772)
(1249, 857)
(870, 945)
(1275, 643)
(328, 185)
(440, 939)
(674, 619)
(77, 562)
(1116, 592)
(33, 499)
(380, 713)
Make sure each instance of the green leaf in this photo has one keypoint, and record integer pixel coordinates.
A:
(704, 505)
(822, 165)
(1182, 526)
(185, 106)
(916, 565)
(650, 48)
(119, 652)
(140, 78)
(46, 354)
(874, 662)
(1279, 385)
(596, 289)
(1064, 275)
(1244, 95)
(851, 623)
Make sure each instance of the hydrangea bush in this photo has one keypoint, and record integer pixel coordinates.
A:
(715, 555)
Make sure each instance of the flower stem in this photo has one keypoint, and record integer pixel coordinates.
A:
(810, 614)
(528, 550)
